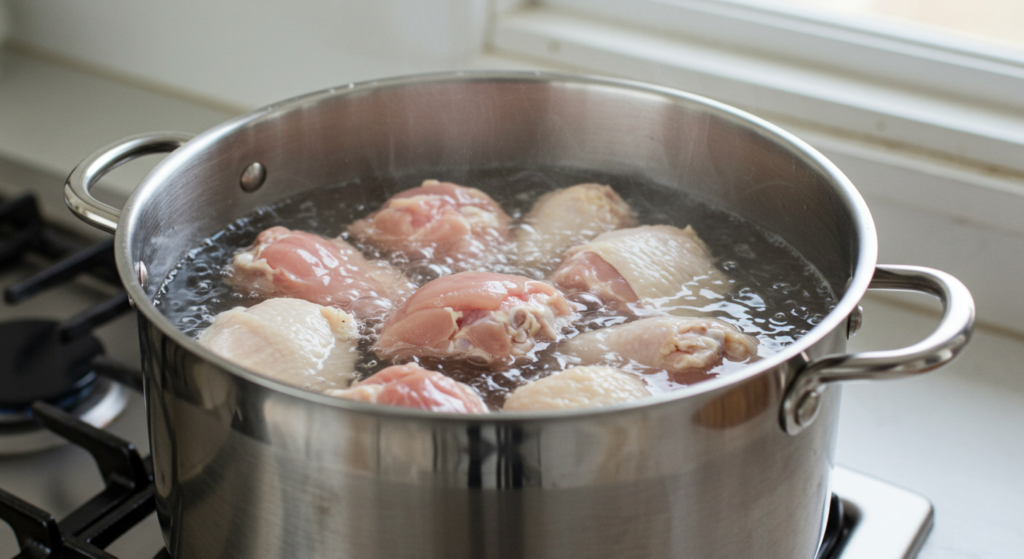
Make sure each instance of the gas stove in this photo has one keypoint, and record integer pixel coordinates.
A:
(70, 408)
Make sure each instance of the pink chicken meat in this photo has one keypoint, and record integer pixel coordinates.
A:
(328, 272)
(650, 265)
(412, 386)
(482, 317)
(439, 222)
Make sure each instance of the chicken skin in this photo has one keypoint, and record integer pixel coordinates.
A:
(482, 317)
(565, 218)
(412, 386)
(578, 387)
(329, 272)
(437, 222)
(290, 340)
(648, 264)
(686, 347)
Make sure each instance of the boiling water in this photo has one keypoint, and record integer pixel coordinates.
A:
(775, 295)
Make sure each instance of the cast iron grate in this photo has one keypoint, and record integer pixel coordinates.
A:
(126, 499)
(43, 359)
(22, 231)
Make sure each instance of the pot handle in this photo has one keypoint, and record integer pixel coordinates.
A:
(77, 188)
(802, 400)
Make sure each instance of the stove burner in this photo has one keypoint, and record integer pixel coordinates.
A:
(837, 528)
(36, 365)
(126, 500)
(48, 361)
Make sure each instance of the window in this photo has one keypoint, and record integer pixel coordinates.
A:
(989, 21)
(928, 124)
(891, 82)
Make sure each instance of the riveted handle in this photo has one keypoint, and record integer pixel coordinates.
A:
(801, 403)
(79, 184)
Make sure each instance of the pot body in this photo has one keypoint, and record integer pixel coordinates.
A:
(246, 471)
(249, 468)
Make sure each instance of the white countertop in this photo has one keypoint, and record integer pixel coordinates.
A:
(955, 435)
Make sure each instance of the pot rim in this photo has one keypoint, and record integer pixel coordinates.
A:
(858, 285)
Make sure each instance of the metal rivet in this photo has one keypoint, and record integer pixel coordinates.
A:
(807, 409)
(253, 177)
(143, 274)
(854, 322)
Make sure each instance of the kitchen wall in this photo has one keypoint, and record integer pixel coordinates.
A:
(247, 53)
(75, 76)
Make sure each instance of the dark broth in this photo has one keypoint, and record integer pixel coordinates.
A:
(776, 295)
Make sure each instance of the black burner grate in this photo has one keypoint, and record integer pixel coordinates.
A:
(44, 360)
(837, 530)
(126, 499)
(46, 367)
(22, 231)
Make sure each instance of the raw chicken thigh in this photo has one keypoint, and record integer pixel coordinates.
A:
(438, 222)
(578, 387)
(479, 316)
(328, 272)
(649, 264)
(412, 386)
(565, 218)
(686, 347)
(290, 340)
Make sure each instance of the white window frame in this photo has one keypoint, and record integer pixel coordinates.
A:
(930, 129)
(944, 97)
(889, 51)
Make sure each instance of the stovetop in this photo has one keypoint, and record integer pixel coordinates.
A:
(93, 498)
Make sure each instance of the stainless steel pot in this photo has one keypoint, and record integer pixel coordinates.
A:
(736, 467)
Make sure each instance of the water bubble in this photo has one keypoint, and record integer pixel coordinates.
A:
(744, 250)
(589, 300)
(424, 273)
(782, 287)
